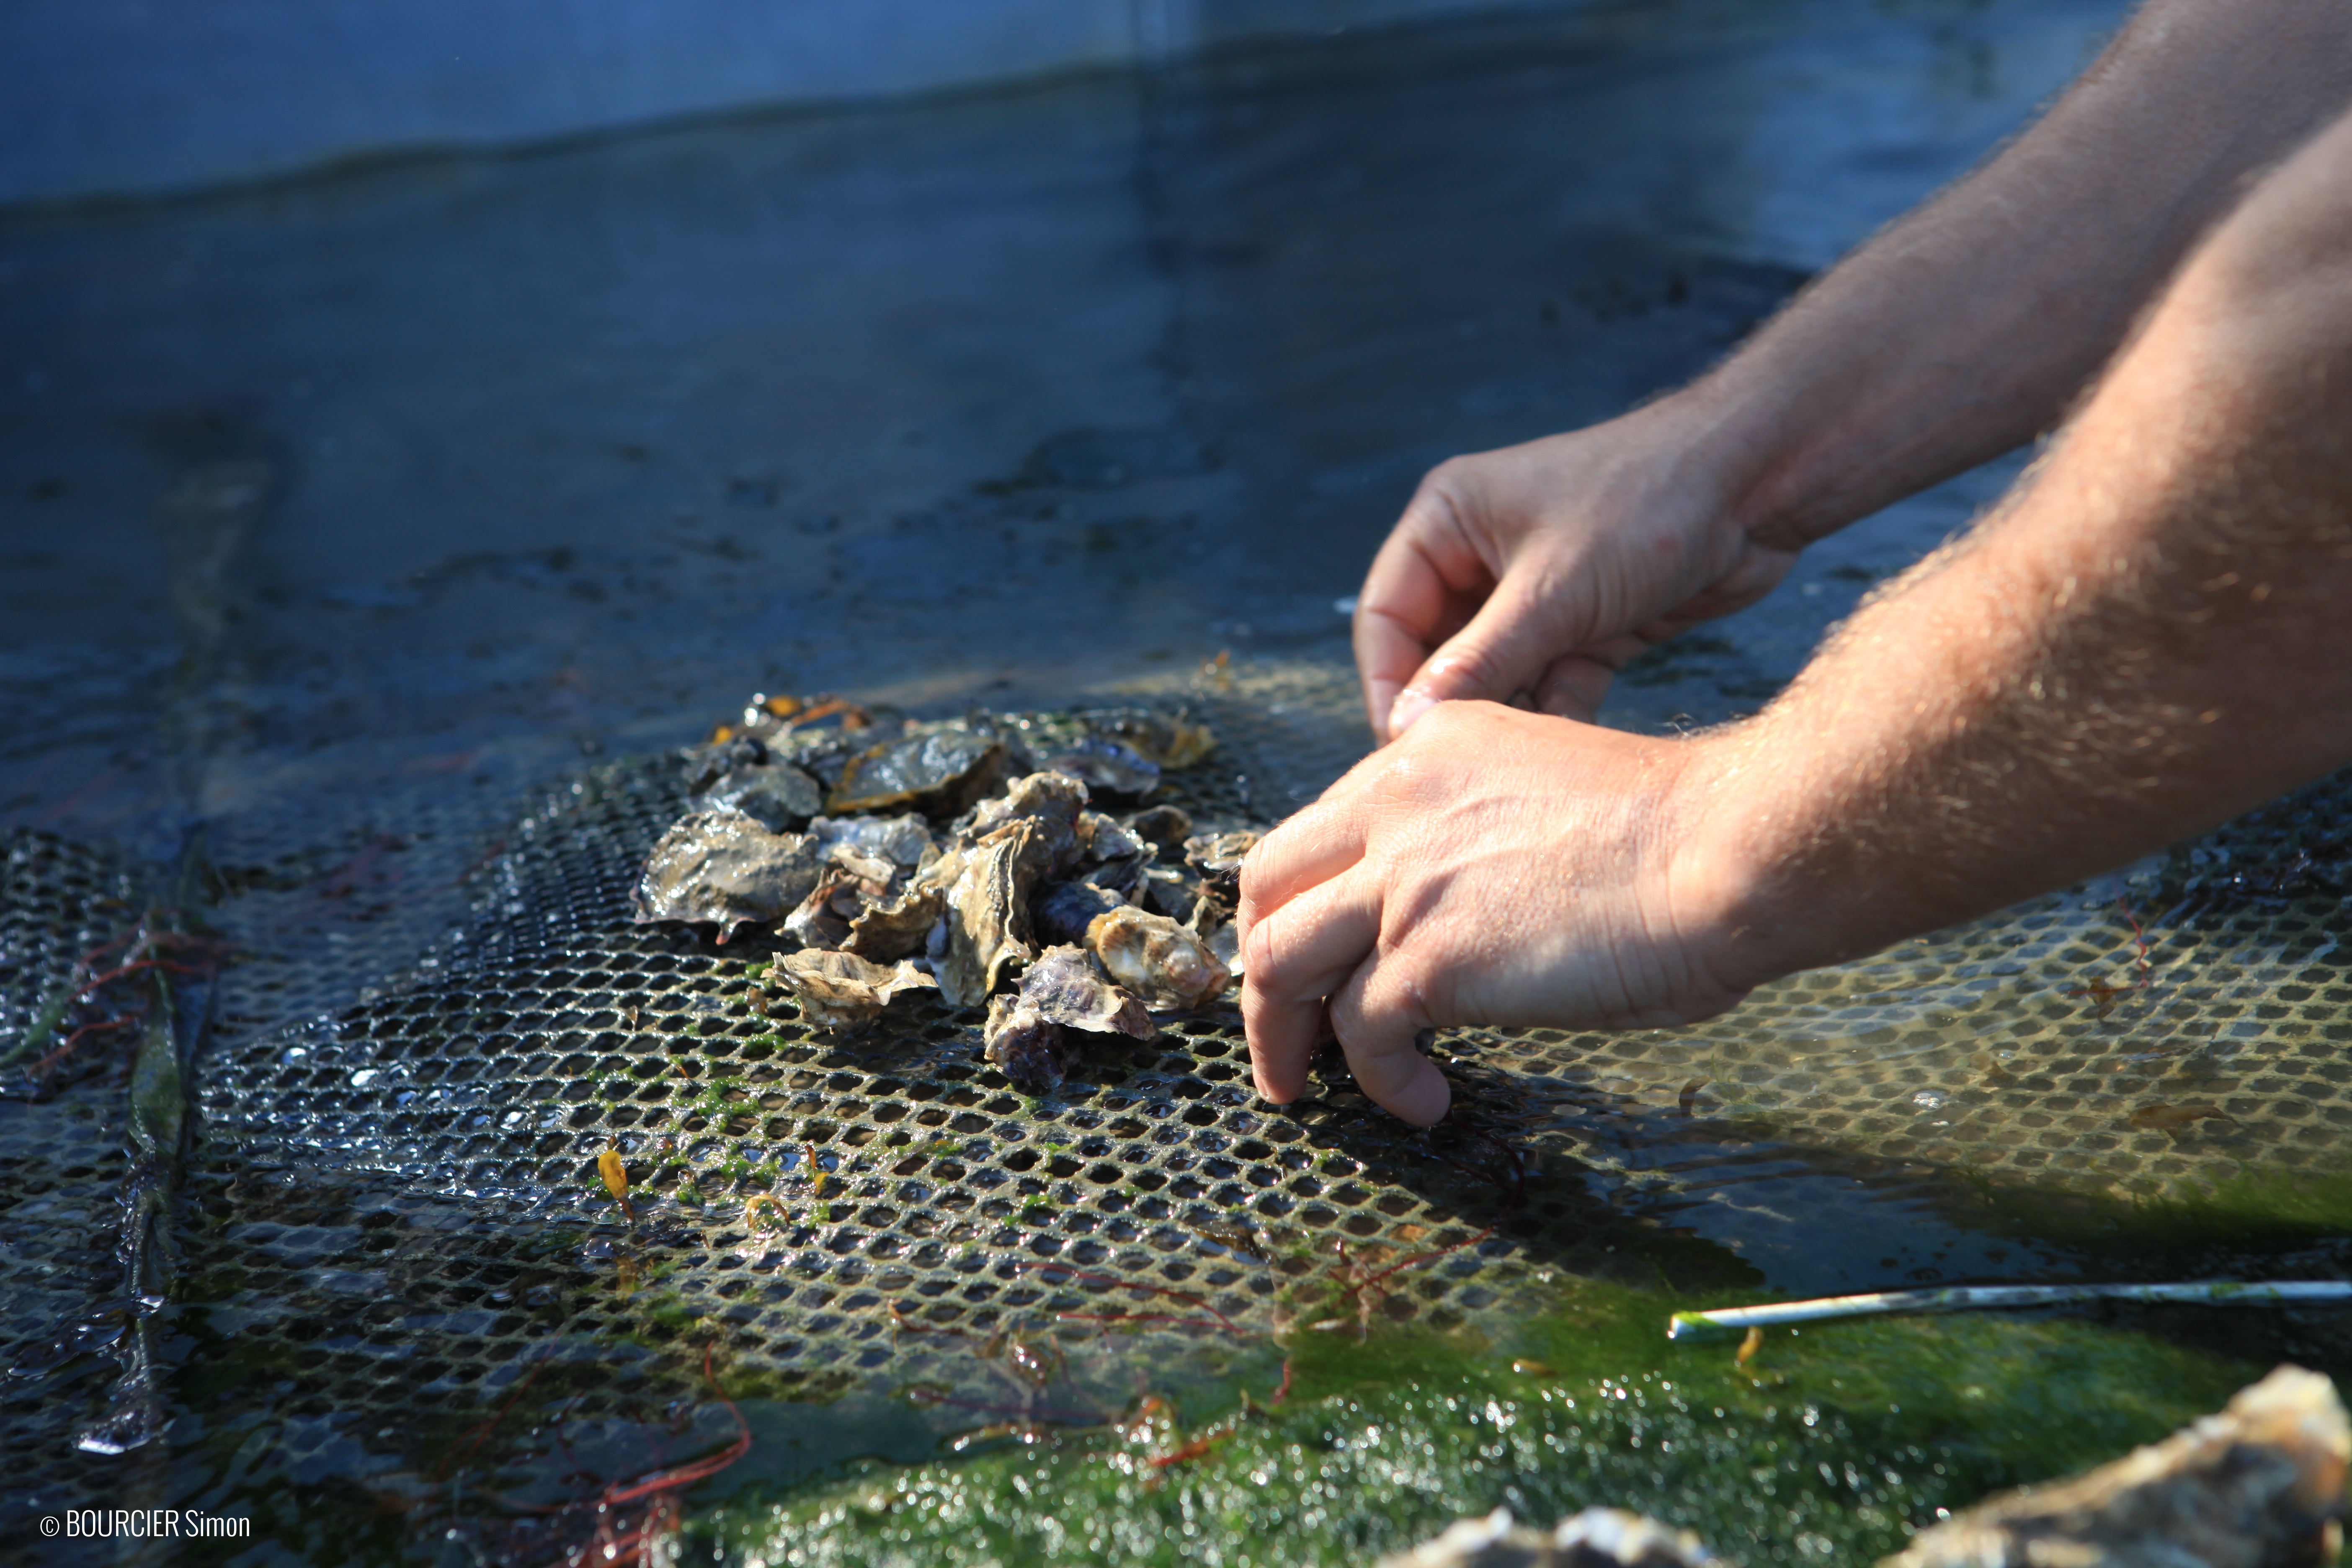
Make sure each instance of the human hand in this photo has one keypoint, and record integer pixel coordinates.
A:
(1536, 571)
(1490, 866)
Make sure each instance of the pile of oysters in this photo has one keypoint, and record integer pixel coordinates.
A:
(1011, 865)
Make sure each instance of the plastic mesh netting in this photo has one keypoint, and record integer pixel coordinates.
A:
(438, 1015)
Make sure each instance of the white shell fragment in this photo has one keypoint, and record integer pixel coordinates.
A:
(1597, 1538)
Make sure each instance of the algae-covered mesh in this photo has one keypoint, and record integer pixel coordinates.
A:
(467, 1135)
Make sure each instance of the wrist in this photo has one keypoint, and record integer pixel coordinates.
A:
(1751, 835)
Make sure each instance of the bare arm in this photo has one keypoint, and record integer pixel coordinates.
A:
(2150, 635)
(1960, 331)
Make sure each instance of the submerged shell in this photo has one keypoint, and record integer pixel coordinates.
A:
(1029, 1049)
(1068, 987)
(2258, 1484)
(988, 912)
(727, 868)
(939, 772)
(1159, 960)
(1064, 911)
(841, 991)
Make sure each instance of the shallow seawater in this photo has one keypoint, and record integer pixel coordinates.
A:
(344, 516)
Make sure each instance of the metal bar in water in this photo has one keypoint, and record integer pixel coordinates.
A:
(1969, 1298)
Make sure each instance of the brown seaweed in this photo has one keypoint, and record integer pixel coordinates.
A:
(728, 869)
(1161, 962)
(842, 992)
(938, 772)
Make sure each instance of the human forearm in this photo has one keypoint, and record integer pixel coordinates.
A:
(1967, 327)
(2150, 638)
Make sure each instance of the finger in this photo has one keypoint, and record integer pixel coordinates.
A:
(1416, 597)
(1573, 687)
(1377, 1015)
(1504, 647)
(1294, 958)
(1308, 850)
(1575, 684)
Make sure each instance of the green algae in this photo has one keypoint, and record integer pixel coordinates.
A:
(1831, 1444)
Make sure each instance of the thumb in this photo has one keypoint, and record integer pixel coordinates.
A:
(1502, 650)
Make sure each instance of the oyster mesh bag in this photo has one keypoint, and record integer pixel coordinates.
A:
(395, 1255)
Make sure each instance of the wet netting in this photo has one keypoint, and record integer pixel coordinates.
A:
(391, 1269)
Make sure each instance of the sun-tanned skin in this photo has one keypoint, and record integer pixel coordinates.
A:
(2152, 632)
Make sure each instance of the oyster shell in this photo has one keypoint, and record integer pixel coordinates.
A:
(896, 928)
(988, 911)
(1028, 1049)
(1066, 986)
(1064, 911)
(1161, 962)
(939, 772)
(1218, 856)
(1163, 827)
(1111, 766)
(1054, 801)
(1168, 740)
(1103, 838)
(2258, 1485)
(904, 840)
(726, 868)
(842, 992)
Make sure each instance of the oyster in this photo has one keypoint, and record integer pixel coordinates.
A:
(896, 928)
(2261, 1484)
(1168, 740)
(842, 992)
(904, 841)
(1104, 840)
(726, 868)
(1163, 827)
(1064, 911)
(1110, 766)
(1219, 856)
(939, 772)
(1054, 801)
(1161, 962)
(988, 911)
(1066, 986)
(1029, 1049)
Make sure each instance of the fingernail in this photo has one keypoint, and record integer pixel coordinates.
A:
(1410, 705)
